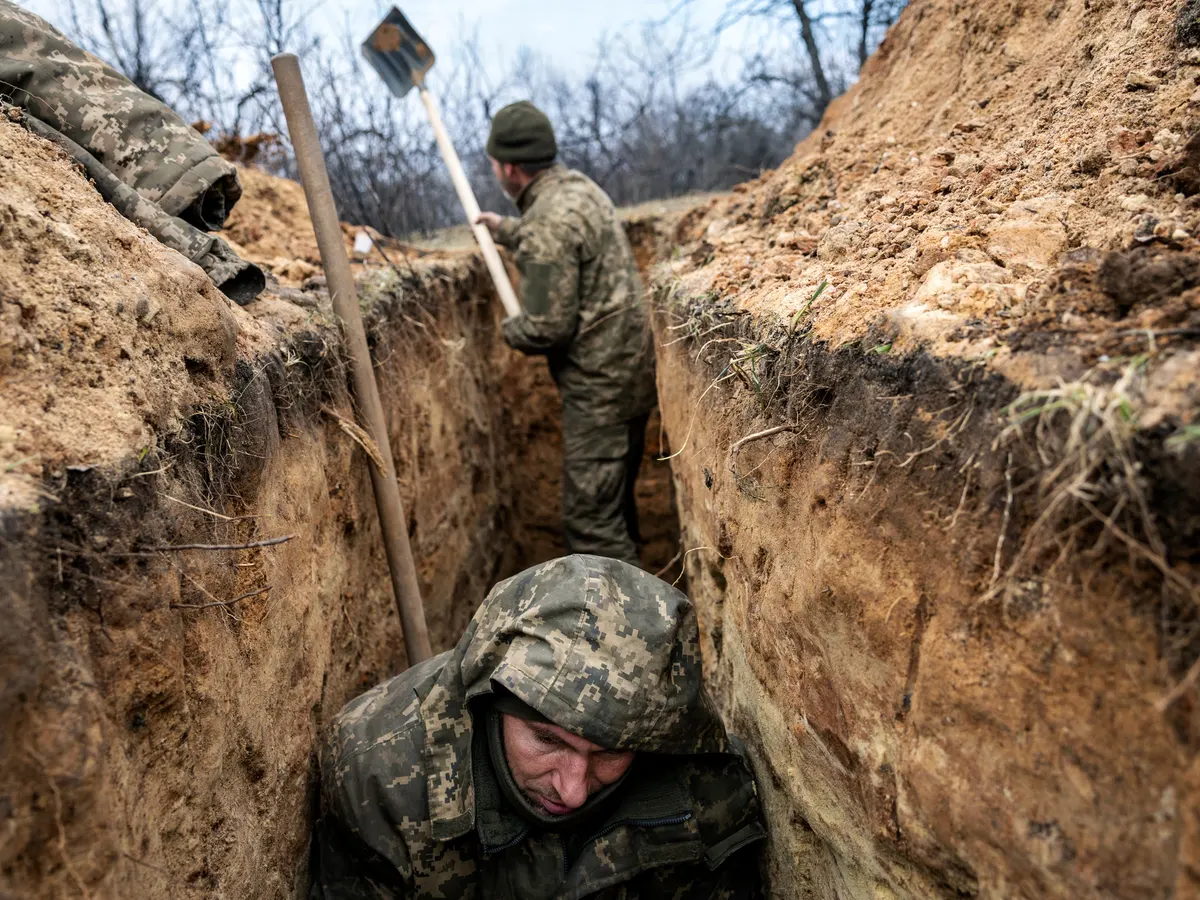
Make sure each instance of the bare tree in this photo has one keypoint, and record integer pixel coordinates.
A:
(873, 18)
(645, 121)
(821, 25)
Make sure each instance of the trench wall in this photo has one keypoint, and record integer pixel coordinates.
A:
(159, 707)
(924, 723)
(159, 744)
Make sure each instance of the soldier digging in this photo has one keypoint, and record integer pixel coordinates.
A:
(584, 308)
(565, 748)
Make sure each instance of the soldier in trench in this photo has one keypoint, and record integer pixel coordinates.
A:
(584, 308)
(566, 747)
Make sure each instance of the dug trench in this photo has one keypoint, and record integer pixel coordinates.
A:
(161, 701)
(938, 517)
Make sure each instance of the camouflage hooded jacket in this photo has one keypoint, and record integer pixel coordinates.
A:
(602, 649)
(132, 134)
(584, 305)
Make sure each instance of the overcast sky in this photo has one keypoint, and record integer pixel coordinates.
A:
(564, 32)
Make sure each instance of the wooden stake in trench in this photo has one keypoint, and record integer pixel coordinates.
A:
(315, 179)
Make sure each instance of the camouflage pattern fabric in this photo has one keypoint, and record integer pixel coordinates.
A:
(240, 280)
(600, 468)
(599, 647)
(133, 135)
(584, 305)
(158, 173)
(585, 309)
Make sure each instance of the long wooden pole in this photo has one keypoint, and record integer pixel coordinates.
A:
(315, 179)
(466, 196)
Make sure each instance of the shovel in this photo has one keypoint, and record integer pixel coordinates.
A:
(402, 58)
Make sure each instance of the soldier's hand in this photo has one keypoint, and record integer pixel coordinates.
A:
(490, 219)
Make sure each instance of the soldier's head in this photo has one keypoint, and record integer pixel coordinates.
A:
(578, 666)
(521, 144)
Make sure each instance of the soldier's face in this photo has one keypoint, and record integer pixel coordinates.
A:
(507, 175)
(555, 769)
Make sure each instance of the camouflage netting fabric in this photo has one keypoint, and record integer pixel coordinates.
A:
(160, 173)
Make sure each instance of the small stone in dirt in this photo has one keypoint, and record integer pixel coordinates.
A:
(1144, 232)
(1091, 162)
(1141, 81)
(942, 156)
(967, 127)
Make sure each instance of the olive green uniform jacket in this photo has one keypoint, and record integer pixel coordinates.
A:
(604, 650)
(585, 309)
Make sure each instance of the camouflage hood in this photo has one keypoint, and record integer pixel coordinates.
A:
(597, 646)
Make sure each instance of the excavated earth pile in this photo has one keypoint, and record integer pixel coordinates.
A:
(932, 389)
(159, 705)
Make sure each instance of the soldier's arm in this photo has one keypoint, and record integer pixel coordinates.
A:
(356, 853)
(548, 260)
(506, 232)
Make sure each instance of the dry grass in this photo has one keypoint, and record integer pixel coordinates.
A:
(1082, 435)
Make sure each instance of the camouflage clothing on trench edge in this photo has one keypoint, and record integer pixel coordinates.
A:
(585, 309)
(136, 137)
(159, 173)
(600, 648)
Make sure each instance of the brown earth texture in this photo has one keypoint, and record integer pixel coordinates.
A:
(929, 452)
(933, 389)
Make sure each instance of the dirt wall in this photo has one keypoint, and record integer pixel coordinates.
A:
(159, 736)
(918, 734)
(934, 417)
(160, 706)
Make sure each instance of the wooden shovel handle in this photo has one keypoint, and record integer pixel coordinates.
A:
(315, 178)
(508, 297)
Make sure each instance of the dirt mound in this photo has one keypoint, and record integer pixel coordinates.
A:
(270, 226)
(1002, 179)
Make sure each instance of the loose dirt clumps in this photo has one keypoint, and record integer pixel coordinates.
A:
(270, 226)
(106, 337)
(988, 180)
(932, 389)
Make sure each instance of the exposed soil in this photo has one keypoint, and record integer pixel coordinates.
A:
(160, 708)
(940, 518)
(270, 226)
(982, 191)
(950, 599)
(106, 337)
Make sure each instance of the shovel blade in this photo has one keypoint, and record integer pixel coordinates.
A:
(398, 53)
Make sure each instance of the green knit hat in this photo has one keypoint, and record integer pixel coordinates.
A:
(521, 133)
